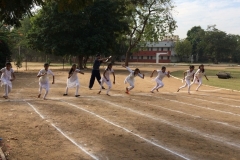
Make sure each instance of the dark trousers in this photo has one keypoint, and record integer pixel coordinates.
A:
(95, 74)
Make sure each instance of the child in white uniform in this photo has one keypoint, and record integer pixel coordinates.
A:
(6, 79)
(106, 78)
(161, 74)
(130, 78)
(43, 80)
(188, 75)
(72, 80)
(198, 76)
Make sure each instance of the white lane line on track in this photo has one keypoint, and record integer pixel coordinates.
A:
(190, 115)
(190, 104)
(126, 130)
(212, 102)
(220, 97)
(60, 131)
(188, 129)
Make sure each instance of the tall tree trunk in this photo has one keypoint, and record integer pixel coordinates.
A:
(127, 55)
(85, 61)
(80, 61)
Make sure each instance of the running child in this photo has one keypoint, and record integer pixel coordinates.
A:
(130, 78)
(188, 75)
(106, 78)
(161, 74)
(72, 80)
(43, 80)
(198, 76)
(6, 79)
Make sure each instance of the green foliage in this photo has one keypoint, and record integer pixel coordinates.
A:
(196, 37)
(12, 11)
(149, 20)
(183, 49)
(5, 42)
(19, 61)
(95, 29)
(214, 45)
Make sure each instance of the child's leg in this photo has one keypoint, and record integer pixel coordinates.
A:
(109, 86)
(185, 85)
(40, 91)
(200, 83)
(194, 80)
(101, 84)
(66, 92)
(157, 81)
(160, 85)
(46, 93)
(77, 88)
(6, 90)
(189, 85)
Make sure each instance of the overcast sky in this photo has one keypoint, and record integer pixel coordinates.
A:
(224, 13)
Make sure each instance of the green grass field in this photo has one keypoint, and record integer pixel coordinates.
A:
(233, 83)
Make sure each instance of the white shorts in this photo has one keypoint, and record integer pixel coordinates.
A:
(129, 81)
(109, 83)
(159, 82)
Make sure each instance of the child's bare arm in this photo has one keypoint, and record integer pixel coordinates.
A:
(153, 73)
(81, 72)
(184, 74)
(168, 74)
(113, 77)
(206, 77)
(13, 75)
(53, 80)
(105, 75)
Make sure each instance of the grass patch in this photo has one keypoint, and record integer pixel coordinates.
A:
(232, 83)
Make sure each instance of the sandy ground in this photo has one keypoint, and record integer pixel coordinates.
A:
(160, 126)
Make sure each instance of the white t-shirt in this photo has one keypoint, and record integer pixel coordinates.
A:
(199, 73)
(189, 74)
(44, 79)
(132, 75)
(107, 73)
(161, 75)
(6, 74)
(74, 74)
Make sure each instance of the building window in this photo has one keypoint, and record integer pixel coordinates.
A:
(141, 57)
(151, 57)
(168, 49)
(131, 57)
(168, 57)
(147, 57)
(161, 57)
(151, 48)
(162, 49)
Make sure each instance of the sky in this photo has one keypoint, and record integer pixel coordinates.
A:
(225, 14)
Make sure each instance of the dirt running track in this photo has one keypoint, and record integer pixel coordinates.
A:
(159, 126)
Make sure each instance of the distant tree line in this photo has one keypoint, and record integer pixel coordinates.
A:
(210, 45)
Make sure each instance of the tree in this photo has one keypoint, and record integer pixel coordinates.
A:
(183, 49)
(5, 42)
(219, 45)
(18, 62)
(149, 20)
(195, 36)
(12, 11)
(95, 29)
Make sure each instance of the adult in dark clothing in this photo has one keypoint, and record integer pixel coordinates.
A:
(96, 72)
